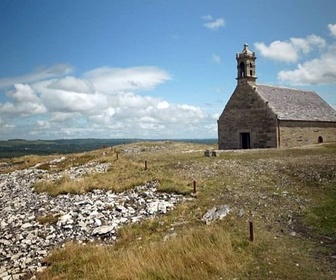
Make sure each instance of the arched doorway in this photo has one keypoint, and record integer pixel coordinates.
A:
(320, 139)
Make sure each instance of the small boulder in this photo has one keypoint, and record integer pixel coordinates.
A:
(216, 213)
(102, 230)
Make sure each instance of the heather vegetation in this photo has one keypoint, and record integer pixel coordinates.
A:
(289, 194)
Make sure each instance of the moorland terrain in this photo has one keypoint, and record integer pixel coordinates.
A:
(21, 147)
(288, 194)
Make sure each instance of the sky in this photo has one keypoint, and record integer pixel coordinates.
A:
(151, 69)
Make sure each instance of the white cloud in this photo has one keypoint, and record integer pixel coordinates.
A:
(316, 57)
(103, 102)
(60, 117)
(57, 70)
(156, 119)
(70, 83)
(25, 102)
(216, 58)
(163, 105)
(7, 129)
(213, 24)
(332, 29)
(277, 50)
(321, 70)
(43, 124)
(111, 80)
(290, 51)
(23, 93)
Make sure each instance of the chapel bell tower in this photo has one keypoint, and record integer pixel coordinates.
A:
(246, 68)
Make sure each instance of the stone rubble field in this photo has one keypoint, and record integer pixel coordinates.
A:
(25, 242)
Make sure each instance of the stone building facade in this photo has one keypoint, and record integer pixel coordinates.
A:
(263, 116)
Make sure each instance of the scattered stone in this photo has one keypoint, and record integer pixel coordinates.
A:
(169, 236)
(210, 153)
(24, 242)
(103, 230)
(240, 213)
(216, 213)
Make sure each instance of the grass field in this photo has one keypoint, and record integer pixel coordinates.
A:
(289, 194)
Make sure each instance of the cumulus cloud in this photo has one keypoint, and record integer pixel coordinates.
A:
(315, 58)
(212, 23)
(290, 51)
(43, 124)
(60, 117)
(156, 118)
(25, 102)
(332, 29)
(104, 102)
(277, 50)
(321, 70)
(69, 101)
(37, 75)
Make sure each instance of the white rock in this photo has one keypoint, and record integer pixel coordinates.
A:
(65, 219)
(42, 252)
(5, 242)
(97, 222)
(216, 214)
(26, 225)
(102, 230)
(152, 207)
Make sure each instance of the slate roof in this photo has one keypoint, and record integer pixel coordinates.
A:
(295, 104)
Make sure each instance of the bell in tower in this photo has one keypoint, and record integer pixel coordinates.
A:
(246, 69)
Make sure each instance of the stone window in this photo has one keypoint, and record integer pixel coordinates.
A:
(320, 139)
(242, 70)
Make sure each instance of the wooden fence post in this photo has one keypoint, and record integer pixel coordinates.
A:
(251, 231)
(194, 184)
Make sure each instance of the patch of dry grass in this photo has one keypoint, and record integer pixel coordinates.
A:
(12, 164)
(199, 253)
(127, 171)
(48, 219)
(286, 192)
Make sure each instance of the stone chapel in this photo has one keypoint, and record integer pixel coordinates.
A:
(264, 116)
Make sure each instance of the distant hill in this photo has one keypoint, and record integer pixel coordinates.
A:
(20, 147)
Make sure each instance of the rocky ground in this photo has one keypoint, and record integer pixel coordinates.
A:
(32, 224)
(274, 190)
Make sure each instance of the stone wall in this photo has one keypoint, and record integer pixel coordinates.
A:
(299, 133)
(247, 112)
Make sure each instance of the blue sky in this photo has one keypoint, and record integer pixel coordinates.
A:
(151, 68)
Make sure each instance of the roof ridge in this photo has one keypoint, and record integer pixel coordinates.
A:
(269, 85)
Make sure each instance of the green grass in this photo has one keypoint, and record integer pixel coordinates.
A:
(322, 216)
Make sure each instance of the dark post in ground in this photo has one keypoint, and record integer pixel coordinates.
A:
(251, 231)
